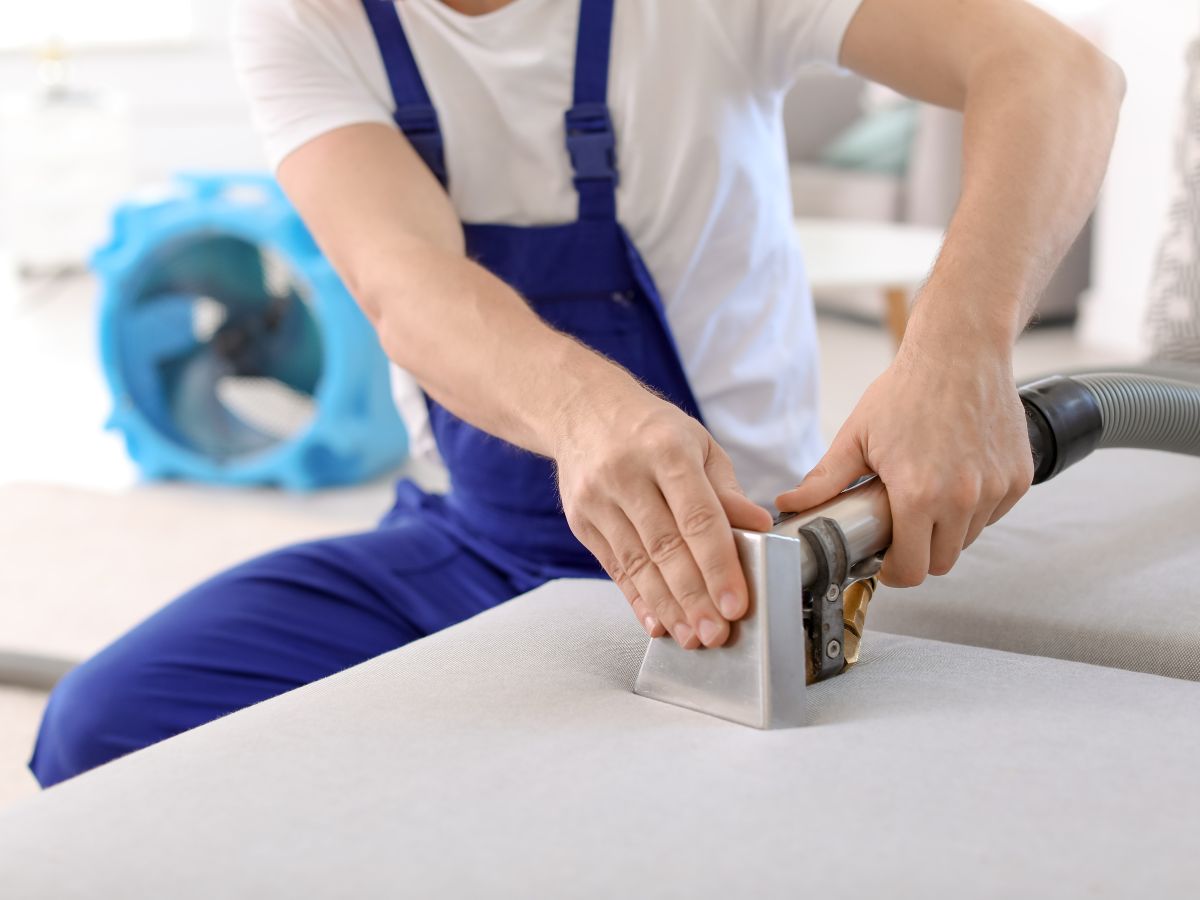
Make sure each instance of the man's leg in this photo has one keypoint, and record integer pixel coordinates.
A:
(262, 628)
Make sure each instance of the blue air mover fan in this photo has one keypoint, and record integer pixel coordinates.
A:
(233, 351)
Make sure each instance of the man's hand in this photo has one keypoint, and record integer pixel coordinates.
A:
(946, 434)
(649, 492)
(943, 426)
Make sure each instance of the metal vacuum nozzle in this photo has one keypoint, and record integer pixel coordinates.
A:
(794, 632)
(806, 576)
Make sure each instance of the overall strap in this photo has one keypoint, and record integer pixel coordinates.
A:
(414, 114)
(591, 143)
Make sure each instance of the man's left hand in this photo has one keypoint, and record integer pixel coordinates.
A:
(946, 434)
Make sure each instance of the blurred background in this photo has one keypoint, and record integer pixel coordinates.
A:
(194, 316)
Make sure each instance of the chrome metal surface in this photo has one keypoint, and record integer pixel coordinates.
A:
(861, 512)
(758, 677)
(868, 568)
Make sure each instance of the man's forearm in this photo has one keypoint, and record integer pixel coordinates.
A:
(389, 229)
(477, 348)
(1038, 129)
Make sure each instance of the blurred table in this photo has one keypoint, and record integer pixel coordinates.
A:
(893, 257)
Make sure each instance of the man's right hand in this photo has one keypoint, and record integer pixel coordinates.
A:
(644, 485)
(647, 490)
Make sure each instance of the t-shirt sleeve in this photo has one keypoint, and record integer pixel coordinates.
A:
(300, 82)
(793, 33)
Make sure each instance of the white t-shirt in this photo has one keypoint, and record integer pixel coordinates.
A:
(695, 91)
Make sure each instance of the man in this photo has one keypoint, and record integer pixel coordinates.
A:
(608, 316)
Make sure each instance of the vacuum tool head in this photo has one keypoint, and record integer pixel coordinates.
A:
(809, 582)
(758, 677)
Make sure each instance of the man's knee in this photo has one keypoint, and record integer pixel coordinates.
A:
(90, 719)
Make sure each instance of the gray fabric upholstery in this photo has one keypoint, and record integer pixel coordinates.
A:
(507, 757)
(80, 567)
(1100, 565)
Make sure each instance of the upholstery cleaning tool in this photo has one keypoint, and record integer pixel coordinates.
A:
(810, 578)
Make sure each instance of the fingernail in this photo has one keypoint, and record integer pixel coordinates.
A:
(708, 631)
(683, 635)
(651, 624)
(728, 604)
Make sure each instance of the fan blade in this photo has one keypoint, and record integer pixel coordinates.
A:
(221, 266)
(268, 405)
(149, 335)
(159, 328)
(197, 412)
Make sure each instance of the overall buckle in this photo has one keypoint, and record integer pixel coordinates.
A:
(591, 143)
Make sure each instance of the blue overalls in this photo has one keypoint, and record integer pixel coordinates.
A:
(304, 612)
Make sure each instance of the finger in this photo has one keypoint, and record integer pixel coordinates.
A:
(979, 521)
(946, 542)
(841, 465)
(706, 531)
(663, 536)
(907, 560)
(985, 513)
(1010, 500)
(741, 511)
(1018, 487)
(952, 507)
(649, 621)
(634, 559)
(595, 542)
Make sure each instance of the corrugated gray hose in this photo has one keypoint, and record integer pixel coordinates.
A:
(1069, 416)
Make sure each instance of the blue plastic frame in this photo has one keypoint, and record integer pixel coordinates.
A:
(356, 432)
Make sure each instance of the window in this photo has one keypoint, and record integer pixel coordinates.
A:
(89, 23)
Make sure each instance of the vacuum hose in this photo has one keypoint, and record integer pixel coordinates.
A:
(1069, 416)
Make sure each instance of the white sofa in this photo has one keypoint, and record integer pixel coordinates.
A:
(507, 757)
(823, 104)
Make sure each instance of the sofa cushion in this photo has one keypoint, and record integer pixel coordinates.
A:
(81, 566)
(879, 141)
(507, 757)
(1099, 565)
(827, 192)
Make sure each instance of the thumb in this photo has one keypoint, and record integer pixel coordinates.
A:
(741, 510)
(841, 465)
(744, 512)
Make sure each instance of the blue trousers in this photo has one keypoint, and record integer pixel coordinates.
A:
(265, 627)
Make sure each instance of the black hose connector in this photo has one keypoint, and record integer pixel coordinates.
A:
(1070, 416)
(1065, 424)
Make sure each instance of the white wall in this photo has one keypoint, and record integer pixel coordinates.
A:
(1149, 39)
(186, 107)
(188, 114)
